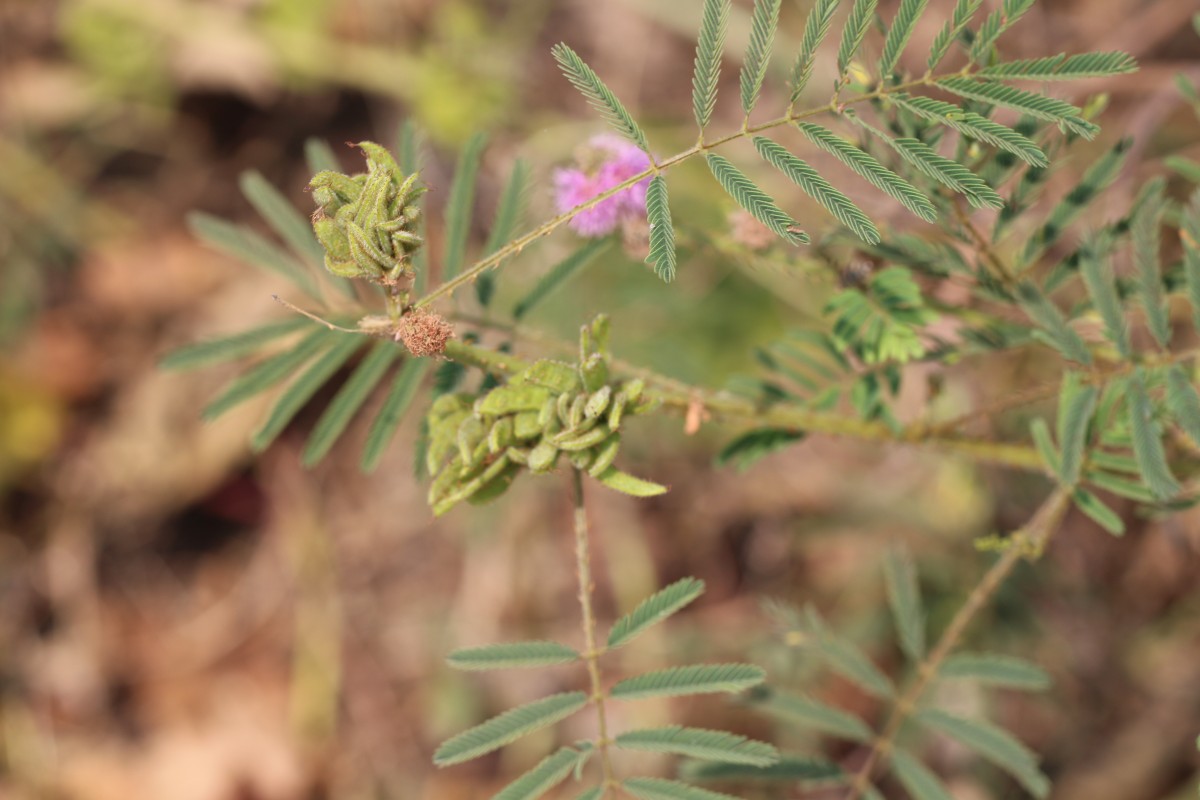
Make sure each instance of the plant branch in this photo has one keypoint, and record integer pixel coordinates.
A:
(1029, 540)
(591, 654)
(520, 243)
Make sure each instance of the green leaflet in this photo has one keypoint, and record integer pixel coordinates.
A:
(319, 156)
(252, 248)
(992, 743)
(763, 22)
(755, 200)
(1183, 402)
(904, 597)
(592, 794)
(460, 204)
(231, 348)
(404, 388)
(698, 743)
(349, 400)
(282, 216)
(751, 446)
(1147, 440)
(808, 771)
(1035, 105)
(662, 233)
(1189, 234)
(991, 669)
(816, 28)
(709, 46)
(550, 772)
(844, 658)
(997, 23)
(661, 789)
(268, 373)
(600, 96)
(856, 28)
(918, 781)
(559, 273)
(1101, 514)
(628, 484)
(968, 123)
(1044, 443)
(947, 172)
(869, 168)
(1052, 326)
(697, 679)
(508, 727)
(508, 213)
(511, 655)
(963, 11)
(1062, 67)
(1102, 287)
(1147, 242)
(819, 189)
(899, 33)
(813, 714)
(1076, 405)
(300, 391)
(654, 609)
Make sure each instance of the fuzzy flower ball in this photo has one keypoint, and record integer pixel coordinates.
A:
(606, 161)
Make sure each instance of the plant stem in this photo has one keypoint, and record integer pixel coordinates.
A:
(703, 146)
(1030, 539)
(591, 655)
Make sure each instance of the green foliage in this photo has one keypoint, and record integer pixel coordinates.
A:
(703, 744)
(601, 98)
(349, 399)
(511, 655)
(755, 200)
(763, 22)
(1147, 440)
(559, 274)
(900, 32)
(1035, 105)
(662, 233)
(660, 789)
(1147, 240)
(697, 679)
(508, 727)
(404, 389)
(550, 772)
(230, 348)
(991, 743)
(268, 373)
(709, 47)
(882, 323)
(1075, 407)
(459, 205)
(813, 714)
(655, 609)
(900, 577)
(251, 248)
(1063, 67)
(816, 28)
(971, 124)
(951, 30)
(857, 24)
(1053, 329)
(754, 445)
(991, 669)
(919, 782)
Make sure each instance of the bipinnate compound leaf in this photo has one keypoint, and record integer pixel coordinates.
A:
(1076, 404)
(559, 274)
(252, 248)
(1026, 102)
(918, 781)
(696, 679)
(805, 770)
(947, 172)
(550, 772)
(231, 348)
(600, 96)
(293, 227)
(763, 22)
(509, 655)
(953, 27)
(699, 743)
(968, 123)
(1146, 437)
(662, 789)
(349, 399)
(991, 669)
(992, 743)
(846, 659)
(300, 391)
(268, 373)
(1183, 402)
(819, 189)
(1052, 328)
(816, 28)
(995, 24)
(869, 168)
(899, 33)
(662, 232)
(460, 205)
(904, 598)
(857, 25)
(754, 200)
(508, 727)
(399, 398)
(654, 609)
(812, 714)
(707, 70)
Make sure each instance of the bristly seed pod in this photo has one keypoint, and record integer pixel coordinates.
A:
(598, 402)
(575, 415)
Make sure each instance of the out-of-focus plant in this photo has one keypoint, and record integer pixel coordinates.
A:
(939, 144)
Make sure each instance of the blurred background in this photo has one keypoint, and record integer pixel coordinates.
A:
(179, 619)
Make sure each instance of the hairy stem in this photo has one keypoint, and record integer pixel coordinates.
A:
(701, 147)
(591, 655)
(1031, 539)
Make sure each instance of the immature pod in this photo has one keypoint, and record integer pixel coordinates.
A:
(584, 440)
(495, 484)
(617, 411)
(542, 457)
(501, 434)
(633, 389)
(470, 433)
(511, 399)
(547, 412)
(518, 455)
(598, 402)
(527, 424)
(564, 408)
(467, 489)
(443, 482)
(575, 415)
(594, 370)
(580, 459)
(557, 376)
(477, 462)
(606, 454)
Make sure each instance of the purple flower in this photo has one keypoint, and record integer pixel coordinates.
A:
(605, 162)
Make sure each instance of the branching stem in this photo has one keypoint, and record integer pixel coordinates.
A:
(591, 654)
(1030, 539)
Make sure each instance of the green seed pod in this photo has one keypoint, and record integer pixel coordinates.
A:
(511, 399)
(518, 455)
(477, 462)
(575, 415)
(554, 375)
(563, 408)
(598, 402)
(527, 424)
(495, 485)
(547, 412)
(501, 434)
(542, 458)
(580, 459)
(584, 440)
(594, 371)
(617, 410)
(470, 434)
(633, 389)
(606, 454)
(332, 238)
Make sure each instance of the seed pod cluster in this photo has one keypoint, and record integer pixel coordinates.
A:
(547, 414)
(367, 223)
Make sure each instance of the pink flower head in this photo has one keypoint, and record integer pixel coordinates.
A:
(605, 162)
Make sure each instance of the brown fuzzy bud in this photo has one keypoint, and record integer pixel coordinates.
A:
(424, 333)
